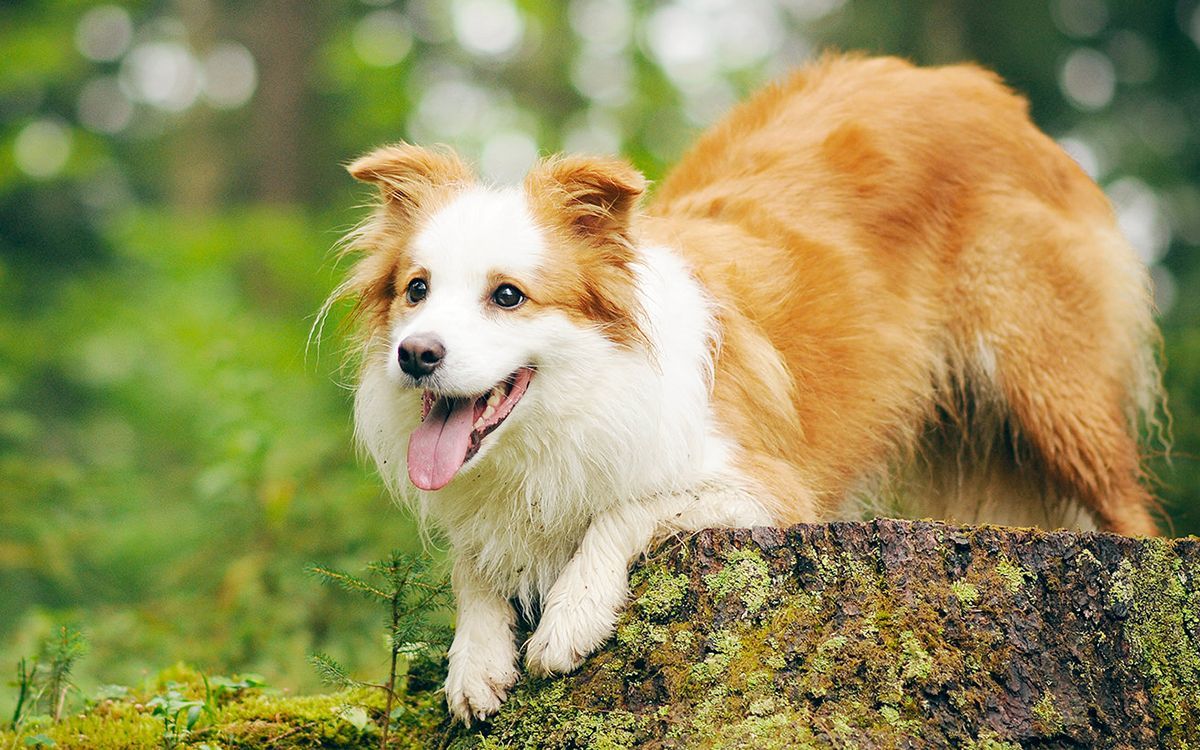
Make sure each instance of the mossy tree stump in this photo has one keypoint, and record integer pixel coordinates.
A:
(888, 634)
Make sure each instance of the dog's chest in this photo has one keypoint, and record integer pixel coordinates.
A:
(517, 550)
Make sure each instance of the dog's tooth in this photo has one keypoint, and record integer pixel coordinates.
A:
(493, 399)
(488, 412)
(479, 422)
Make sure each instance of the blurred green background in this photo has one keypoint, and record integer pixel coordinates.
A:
(170, 189)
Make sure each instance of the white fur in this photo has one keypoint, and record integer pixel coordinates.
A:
(609, 448)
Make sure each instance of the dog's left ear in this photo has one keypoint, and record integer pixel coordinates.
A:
(595, 195)
(407, 175)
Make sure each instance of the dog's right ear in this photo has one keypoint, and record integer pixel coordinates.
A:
(406, 175)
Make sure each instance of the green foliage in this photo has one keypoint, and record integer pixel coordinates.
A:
(179, 716)
(244, 714)
(405, 586)
(44, 682)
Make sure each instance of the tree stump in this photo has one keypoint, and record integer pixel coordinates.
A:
(886, 634)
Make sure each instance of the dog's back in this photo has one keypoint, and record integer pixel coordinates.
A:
(923, 299)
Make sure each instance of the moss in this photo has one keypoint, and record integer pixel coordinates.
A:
(746, 575)
(664, 593)
(250, 718)
(785, 730)
(823, 660)
(1014, 576)
(1157, 628)
(641, 636)
(917, 662)
(683, 640)
(967, 593)
(541, 713)
(847, 651)
(1048, 715)
(989, 741)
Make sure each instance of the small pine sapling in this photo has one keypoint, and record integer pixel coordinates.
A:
(44, 682)
(406, 586)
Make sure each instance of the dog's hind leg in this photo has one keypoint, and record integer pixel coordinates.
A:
(1059, 322)
(1075, 423)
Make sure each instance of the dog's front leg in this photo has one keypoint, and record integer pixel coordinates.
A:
(579, 613)
(483, 656)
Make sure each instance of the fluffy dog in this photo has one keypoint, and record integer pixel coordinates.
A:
(870, 281)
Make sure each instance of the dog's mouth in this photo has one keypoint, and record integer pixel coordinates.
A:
(452, 429)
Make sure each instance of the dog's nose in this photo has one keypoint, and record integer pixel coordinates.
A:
(420, 354)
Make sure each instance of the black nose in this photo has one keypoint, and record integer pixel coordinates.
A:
(420, 354)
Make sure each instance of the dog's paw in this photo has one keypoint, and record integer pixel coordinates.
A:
(477, 684)
(565, 637)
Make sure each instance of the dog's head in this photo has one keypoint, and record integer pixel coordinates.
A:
(482, 298)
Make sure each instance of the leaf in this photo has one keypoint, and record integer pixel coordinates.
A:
(40, 740)
(354, 715)
(193, 715)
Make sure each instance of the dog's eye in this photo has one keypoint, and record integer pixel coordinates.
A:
(507, 295)
(417, 289)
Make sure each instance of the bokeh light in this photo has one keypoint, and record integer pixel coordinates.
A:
(229, 75)
(103, 106)
(488, 28)
(42, 148)
(162, 74)
(1087, 79)
(382, 38)
(1141, 217)
(103, 33)
(1080, 18)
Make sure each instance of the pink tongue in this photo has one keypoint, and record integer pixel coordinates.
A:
(438, 447)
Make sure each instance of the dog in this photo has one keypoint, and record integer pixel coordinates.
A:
(871, 288)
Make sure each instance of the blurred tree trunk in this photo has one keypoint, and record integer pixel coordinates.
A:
(283, 36)
(199, 166)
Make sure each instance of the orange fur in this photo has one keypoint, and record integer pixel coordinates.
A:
(903, 261)
(586, 204)
(413, 182)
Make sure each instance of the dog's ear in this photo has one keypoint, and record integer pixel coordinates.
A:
(595, 195)
(406, 175)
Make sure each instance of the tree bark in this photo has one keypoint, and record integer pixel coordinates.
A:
(887, 634)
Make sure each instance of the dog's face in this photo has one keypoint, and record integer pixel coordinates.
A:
(484, 298)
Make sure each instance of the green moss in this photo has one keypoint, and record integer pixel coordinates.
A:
(917, 662)
(1048, 715)
(641, 636)
(1157, 628)
(664, 593)
(543, 713)
(745, 575)
(1014, 576)
(683, 639)
(835, 655)
(989, 741)
(823, 660)
(250, 718)
(967, 593)
(725, 646)
(784, 730)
